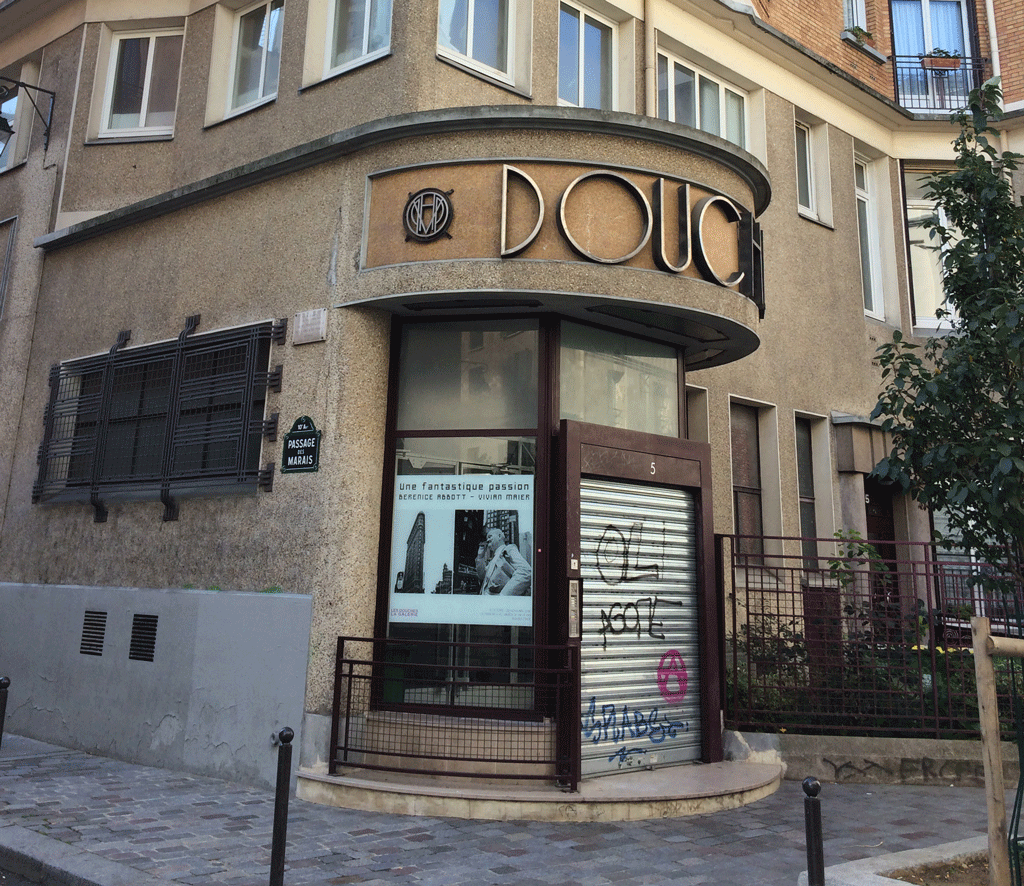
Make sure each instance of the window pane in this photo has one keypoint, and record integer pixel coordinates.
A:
(663, 108)
(252, 39)
(273, 48)
(686, 103)
(129, 81)
(710, 107)
(597, 71)
(490, 33)
(746, 459)
(468, 375)
(569, 55)
(735, 119)
(380, 25)
(925, 263)
(864, 231)
(163, 87)
(453, 31)
(619, 381)
(803, 168)
(349, 28)
(7, 111)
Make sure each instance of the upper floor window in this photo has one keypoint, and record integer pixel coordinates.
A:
(479, 30)
(8, 108)
(360, 31)
(257, 61)
(695, 98)
(867, 233)
(142, 83)
(925, 252)
(854, 14)
(813, 183)
(585, 59)
(804, 169)
(921, 28)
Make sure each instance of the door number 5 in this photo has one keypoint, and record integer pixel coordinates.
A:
(652, 468)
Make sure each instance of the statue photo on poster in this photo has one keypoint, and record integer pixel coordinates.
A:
(462, 550)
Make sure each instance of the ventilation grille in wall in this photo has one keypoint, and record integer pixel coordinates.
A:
(94, 629)
(143, 637)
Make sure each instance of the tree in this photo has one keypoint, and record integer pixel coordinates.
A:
(955, 405)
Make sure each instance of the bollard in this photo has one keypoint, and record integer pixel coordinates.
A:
(284, 777)
(812, 820)
(4, 683)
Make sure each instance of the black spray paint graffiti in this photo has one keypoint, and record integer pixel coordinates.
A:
(626, 618)
(618, 555)
(616, 725)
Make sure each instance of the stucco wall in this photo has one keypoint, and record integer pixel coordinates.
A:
(228, 670)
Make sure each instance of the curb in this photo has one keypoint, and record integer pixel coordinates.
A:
(872, 871)
(54, 863)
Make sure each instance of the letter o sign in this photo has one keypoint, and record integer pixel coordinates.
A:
(634, 192)
(672, 677)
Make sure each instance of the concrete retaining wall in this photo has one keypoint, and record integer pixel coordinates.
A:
(858, 760)
(228, 670)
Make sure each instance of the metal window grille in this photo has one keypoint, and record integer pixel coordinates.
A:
(143, 643)
(94, 629)
(176, 418)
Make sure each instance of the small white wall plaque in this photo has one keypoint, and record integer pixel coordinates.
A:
(310, 326)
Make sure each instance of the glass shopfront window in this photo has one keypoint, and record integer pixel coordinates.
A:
(462, 533)
(616, 380)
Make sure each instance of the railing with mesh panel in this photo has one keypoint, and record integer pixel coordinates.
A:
(857, 638)
(481, 710)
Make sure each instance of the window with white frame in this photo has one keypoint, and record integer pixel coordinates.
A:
(854, 14)
(257, 56)
(693, 97)
(586, 53)
(867, 234)
(141, 94)
(813, 189)
(478, 30)
(360, 31)
(925, 252)
(8, 108)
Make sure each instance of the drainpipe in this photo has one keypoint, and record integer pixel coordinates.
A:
(650, 61)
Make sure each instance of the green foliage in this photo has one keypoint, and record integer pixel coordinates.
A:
(955, 405)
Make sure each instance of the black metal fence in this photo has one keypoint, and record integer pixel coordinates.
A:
(457, 708)
(855, 638)
(941, 85)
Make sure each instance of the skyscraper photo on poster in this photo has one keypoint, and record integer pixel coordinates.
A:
(462, 550)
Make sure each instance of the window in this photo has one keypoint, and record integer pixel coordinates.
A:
(920, 27)
(925, 253)
(805, 489)
(178, 418)
(867, 233)
(804, 177)
(585, 59)
(257, 59)
(854, 14)
(8, 108)
(813, 191)
(8, 228)
(478, 30)
(360, 31)
(694, 98)
(142, 83)
(748, 516)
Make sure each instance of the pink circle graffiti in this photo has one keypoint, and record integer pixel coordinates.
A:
(672, 670)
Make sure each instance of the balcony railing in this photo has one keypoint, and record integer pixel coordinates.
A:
(936, 84)
(856, 640)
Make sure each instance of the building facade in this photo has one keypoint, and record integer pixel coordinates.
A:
(474, 321)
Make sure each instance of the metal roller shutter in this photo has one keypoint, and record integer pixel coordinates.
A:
(640, 680)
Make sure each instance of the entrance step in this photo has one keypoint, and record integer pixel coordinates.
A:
(636, 795)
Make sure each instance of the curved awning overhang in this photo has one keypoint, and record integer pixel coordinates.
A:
(706, 339)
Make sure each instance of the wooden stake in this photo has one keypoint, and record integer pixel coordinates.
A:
(991, 752)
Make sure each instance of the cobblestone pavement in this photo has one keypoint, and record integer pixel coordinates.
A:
(193, 830)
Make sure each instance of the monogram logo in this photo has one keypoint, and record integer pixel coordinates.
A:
(428, 213)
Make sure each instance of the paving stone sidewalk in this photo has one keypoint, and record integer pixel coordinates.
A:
(179, 828)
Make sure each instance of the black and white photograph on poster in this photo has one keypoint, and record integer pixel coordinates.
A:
(462, 550)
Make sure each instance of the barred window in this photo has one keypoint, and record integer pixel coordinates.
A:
(173, 419)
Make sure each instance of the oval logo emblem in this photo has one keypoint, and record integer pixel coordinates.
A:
(428, 213)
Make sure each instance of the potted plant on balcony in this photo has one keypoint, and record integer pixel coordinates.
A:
(941, 60)
(860, 35)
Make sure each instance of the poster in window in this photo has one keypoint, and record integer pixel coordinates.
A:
(462, 550)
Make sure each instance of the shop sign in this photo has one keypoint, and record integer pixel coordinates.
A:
(301, 448)
(462, 550)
